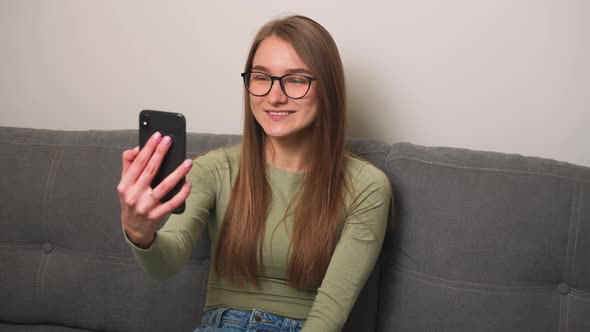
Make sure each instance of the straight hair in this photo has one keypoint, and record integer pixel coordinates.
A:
(318, 211)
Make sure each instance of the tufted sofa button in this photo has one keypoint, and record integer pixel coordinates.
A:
(47, 248)
(563, 288)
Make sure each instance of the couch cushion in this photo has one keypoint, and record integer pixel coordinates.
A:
(485, 241)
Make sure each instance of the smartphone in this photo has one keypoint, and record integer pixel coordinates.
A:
(168, 124)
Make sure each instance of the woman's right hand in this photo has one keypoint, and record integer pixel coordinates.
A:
(142, 213)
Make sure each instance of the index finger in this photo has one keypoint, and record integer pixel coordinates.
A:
(137, 166)
(128, 158)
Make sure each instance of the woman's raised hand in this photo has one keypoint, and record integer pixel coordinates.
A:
(142, 213)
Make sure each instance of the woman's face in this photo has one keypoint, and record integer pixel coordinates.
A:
(279, 115)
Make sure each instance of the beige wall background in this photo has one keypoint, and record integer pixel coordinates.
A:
(500, 75)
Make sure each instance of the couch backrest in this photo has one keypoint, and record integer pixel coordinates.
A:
(63, 260)
(485, 241)
(481, 241)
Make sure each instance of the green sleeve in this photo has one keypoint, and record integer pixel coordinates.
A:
(355, 254)
(174, 241)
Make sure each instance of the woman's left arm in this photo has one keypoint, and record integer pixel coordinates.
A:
(355, 254)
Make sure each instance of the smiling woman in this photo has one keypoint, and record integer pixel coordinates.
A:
(296, 221)
(282, 110)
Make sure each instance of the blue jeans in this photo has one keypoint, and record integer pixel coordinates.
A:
(233, 320)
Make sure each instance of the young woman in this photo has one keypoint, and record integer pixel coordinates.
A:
(296, 222)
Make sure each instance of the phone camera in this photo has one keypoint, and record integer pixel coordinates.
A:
(145, 122)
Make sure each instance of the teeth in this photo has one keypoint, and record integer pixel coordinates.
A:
(279, 113)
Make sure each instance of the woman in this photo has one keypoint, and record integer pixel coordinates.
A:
(296, 223)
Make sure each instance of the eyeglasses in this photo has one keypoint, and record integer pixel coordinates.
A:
(295, 86)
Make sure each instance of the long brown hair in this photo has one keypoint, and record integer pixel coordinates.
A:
(318, 218)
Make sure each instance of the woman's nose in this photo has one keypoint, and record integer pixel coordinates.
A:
(276, 94)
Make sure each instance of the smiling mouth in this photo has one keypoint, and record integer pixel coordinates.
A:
(279, 115)
(279, 112)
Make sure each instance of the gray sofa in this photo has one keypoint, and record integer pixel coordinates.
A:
(482, 241)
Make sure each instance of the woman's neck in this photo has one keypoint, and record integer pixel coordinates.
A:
(289, 154)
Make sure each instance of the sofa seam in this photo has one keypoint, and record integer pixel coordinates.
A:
(66, 145)
(15, 251)
(580, 298)
(71, 146)
(578, 222)
(489, 284)
(386, 157)
(476, 290)
(382, 151)
(32, 246)
(90, 256)
(567, 312)
(38, 279)
(44, 274)
(571, 227)
(49, 183)
(486, 169)
(50, 197)
(186, 266)
(560, 313)
(122, 260)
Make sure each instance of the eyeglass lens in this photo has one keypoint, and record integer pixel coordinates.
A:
(294, 86)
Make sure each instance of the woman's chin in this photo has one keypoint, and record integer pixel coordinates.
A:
(277, 132)
(288, 133)
(277, 136)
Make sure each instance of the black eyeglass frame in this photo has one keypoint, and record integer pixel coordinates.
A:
(272, 82)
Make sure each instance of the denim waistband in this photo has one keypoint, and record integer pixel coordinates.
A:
(250, 319)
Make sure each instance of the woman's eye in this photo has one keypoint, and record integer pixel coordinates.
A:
(296, 80)
(260, 78)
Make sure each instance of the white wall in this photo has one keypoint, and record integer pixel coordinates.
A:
(500, 75)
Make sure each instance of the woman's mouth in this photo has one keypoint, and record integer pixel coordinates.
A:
(278, 115)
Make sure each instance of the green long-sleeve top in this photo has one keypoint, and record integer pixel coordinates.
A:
(323, 309)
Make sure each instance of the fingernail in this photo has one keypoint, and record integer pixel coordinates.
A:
(188, 163)
(166, 140)
(156, 136)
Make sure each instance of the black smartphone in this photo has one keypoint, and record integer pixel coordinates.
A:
(168, 124)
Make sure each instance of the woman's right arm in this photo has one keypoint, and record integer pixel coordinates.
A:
(162, 251)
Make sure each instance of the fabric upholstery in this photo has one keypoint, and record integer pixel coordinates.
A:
(480, 241)
(485, 242)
